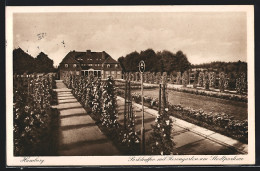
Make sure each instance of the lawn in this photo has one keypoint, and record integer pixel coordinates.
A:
(208, 104)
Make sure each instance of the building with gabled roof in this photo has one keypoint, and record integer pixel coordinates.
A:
(99, 64)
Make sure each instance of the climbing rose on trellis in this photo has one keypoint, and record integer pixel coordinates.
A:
(178, 78)
(200, 79)
(226, 83)
(109, 106)
(164, 77)
(97, 95)
(185, 79)
(31, 113)
(223, 81)
(129, 136)
(212, 79)
(241, 83)
(206, 80)
(195, 83)
(89, 92)
(172, 78)
(150, 77)
(161, 137)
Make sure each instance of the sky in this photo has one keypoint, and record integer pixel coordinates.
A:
(202, 36)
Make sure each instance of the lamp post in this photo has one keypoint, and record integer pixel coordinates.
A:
(141, 69)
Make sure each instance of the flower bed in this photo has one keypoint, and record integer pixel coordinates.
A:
(219, 122)
(227, 96)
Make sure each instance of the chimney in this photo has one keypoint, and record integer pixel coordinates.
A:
(88, 52)
(103, 55)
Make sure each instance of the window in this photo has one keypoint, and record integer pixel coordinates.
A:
(113, 72)
(116, 65)
(118, 72)
(107, 72)
(66, 65)
(90, 64)
(108, 65)
(74, 65)
(77, 73)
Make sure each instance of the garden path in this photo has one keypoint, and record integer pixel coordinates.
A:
(78, 133)
(189, 138)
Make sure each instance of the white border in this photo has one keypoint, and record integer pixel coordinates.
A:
(123, 160)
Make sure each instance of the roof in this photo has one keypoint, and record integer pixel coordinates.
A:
(89, 57)
(110, 60)
(70, 58)
(92, 58)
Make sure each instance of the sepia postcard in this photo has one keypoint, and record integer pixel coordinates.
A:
(130, 85)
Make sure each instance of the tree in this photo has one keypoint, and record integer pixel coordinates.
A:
(121, 61)
(44, 63)
(23, 62)
(164, 61)
(183, 63)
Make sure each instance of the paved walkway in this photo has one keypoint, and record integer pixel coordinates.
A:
(79, 135)
(189, 138)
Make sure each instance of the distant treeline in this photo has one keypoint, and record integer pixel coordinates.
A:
(227, 67)
(25, 63)
(164, 61)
